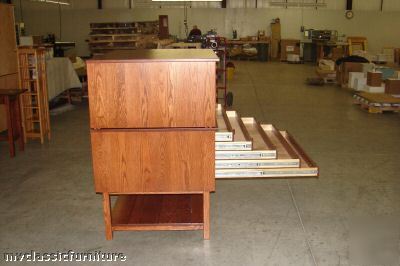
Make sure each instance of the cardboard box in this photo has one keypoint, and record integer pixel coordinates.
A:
(392, 86)
(359, 83)
(374, 79)
(325, 73)
(389, 53)
(337, 52)
(345, 69)
(375, 89)
(293, 58)
(276, 31)
(353, 76)
(289, 46)
(368, 67)
(274, 48)
(326, 64)
(30, 40)
(397, 55)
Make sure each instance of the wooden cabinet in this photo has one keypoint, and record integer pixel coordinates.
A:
(152, 118)
(8, 55)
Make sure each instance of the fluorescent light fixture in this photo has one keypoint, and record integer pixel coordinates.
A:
(186, 0)
(53, 2)
(298, 4)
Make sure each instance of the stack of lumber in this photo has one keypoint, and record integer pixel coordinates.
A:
(377, 102)
(247, 149)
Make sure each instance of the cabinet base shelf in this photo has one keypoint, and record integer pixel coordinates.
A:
(158, 227)
(157, 212)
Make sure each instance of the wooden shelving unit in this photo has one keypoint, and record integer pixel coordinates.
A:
(121, 35)
(35, 107)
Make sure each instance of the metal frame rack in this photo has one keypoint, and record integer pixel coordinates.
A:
(220, 50)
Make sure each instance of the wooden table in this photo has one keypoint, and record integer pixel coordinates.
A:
(10, 98)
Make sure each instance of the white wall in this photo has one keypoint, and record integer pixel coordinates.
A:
(381, 28)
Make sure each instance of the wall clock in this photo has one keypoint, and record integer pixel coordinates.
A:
(349, 14)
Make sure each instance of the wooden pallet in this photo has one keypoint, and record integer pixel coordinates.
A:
(293, 62)
(378, 109)
(330, 80)
(377, 103)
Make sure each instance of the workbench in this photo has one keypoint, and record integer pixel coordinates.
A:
(261, 45)
(313, 51)
(184, 45)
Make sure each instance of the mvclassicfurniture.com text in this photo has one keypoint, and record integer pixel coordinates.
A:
(67, 256)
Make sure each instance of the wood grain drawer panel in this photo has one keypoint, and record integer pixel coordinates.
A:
(6, 82)
(153, 161)
(9, 81)
(152, 95)
(8, 45)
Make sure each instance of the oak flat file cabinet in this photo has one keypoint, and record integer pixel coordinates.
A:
(152, 119)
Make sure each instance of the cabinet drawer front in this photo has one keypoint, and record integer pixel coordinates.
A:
(8, 45)
(6, 82)
(151, 95)
(153, 161)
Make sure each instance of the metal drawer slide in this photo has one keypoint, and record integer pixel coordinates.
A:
(224, 131)
(251, 155)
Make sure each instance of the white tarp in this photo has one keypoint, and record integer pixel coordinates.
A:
(61, 76)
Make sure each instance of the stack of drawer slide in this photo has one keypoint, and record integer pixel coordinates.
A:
(247, 149)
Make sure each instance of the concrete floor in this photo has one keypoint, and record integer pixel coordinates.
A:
(47, 199)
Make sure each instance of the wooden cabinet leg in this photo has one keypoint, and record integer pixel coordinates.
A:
(107, 215)
(19, 125)
(10, 129)
(206, 215)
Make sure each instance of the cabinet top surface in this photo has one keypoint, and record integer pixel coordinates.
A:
(158, 55)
